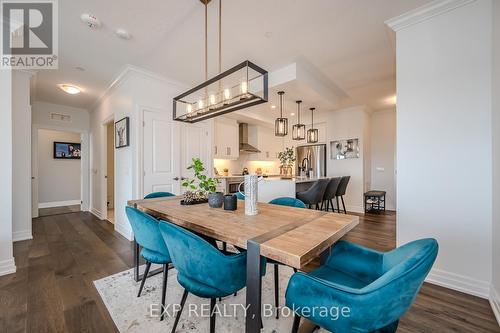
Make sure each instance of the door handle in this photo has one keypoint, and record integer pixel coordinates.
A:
(183, 178)
(176, 178)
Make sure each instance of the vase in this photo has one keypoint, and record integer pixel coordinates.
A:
(251, 194)
(215, 199)
(230, 202)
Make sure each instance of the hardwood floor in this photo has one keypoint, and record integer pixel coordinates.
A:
(58, 210)
(52, 290)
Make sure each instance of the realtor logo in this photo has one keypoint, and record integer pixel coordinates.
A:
(29, 34)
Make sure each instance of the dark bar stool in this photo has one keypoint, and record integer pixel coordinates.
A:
(331, 191)
(314, 195)
(341, 192)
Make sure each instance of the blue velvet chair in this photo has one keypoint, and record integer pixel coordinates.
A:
(154, 250)
(290, 202)
(202, 269)
(240, 196)
(159, 195)
(377, 287)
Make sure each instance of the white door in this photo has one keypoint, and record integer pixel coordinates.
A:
(196, 143)
(161, 153)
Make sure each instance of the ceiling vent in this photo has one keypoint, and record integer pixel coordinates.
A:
(60, 117)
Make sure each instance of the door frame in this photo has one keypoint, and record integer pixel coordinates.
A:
(84, 162)
(104, 167)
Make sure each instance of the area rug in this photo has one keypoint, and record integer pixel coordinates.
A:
(139, 314)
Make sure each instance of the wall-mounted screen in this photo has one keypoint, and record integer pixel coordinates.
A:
(67, 150)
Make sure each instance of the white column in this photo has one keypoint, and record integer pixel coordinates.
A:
(444, 149)
(7, 264)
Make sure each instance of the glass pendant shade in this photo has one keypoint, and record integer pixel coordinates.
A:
(313, 133)
(281, 124)
(298, 130)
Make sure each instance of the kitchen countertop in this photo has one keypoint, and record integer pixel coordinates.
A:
(297, 180)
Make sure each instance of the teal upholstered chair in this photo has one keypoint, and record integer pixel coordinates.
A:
(154, 249)
(240, 196)
(159, 195)
(378, 288)
(202, 269)
(290, 202)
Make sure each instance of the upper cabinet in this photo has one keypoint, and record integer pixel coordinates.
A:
(226, 139)
(264, 139)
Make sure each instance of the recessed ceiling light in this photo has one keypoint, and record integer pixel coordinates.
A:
(292, 114)
(273, 106)
(70, 89)
(123, 34)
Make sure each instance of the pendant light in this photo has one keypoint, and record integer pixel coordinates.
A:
(298, 130)
(312, 134)
(242, 86)
(281, 124)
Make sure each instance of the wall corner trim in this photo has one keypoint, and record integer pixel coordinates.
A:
(125, 232)
(21, 235)
(495, 303)
(459, 282)
(424, 13)
(97, 213)
(7, 266)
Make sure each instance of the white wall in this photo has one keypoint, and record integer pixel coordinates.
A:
(444, 185)
(21, 156)
(7, 264)
(59, 180)
(134, 91)
(383, 154)
(80, 123)
(344, 124)
(495, 292)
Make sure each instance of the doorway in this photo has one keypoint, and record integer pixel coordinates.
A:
(110, 172)
(57, 176)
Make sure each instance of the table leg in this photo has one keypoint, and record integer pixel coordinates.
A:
(254, 288)
(136, 261)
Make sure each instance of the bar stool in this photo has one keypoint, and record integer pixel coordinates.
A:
(341, 192)
(331, 191)
(314, 195)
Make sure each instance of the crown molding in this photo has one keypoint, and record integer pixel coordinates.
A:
(128, 70)
(424, 13)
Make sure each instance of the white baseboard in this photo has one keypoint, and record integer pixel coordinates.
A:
(459, 282)
(96, 212)
(59, 203)
(21, 235)
(354, 209)
(495, 303)
(124, 231)
(7, 266)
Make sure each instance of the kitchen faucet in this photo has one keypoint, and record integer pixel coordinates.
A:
(303, 166)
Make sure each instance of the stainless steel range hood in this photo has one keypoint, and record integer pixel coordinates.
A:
(244, 145)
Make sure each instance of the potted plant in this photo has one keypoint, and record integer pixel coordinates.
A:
(201, 188)
(287, 159)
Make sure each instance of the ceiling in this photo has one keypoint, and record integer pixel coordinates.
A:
(347, 41)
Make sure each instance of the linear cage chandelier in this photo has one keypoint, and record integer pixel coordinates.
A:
(240, 87)
(237, 88)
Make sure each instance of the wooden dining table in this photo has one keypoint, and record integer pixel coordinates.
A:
(288, 235)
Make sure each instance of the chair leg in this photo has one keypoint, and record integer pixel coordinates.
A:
(146, 272)
(164, 289)
(338, 206)
(331, 204)
(224, 246)
(295, 270)
(276, 289)
(343, 205)
(212, 315)
(321, 207)
(178, 316)
(296, 323)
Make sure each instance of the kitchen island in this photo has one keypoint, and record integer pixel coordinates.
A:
(275, 187)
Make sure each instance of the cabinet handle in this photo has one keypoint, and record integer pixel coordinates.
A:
(176, 178)
(215, 150)
(228, 151)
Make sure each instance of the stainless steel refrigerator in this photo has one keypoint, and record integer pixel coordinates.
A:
(311, 161)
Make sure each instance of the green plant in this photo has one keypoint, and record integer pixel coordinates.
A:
(200, 181)
(287, 157)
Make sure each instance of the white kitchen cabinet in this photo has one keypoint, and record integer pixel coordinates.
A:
(226, 143)
(268, 144)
